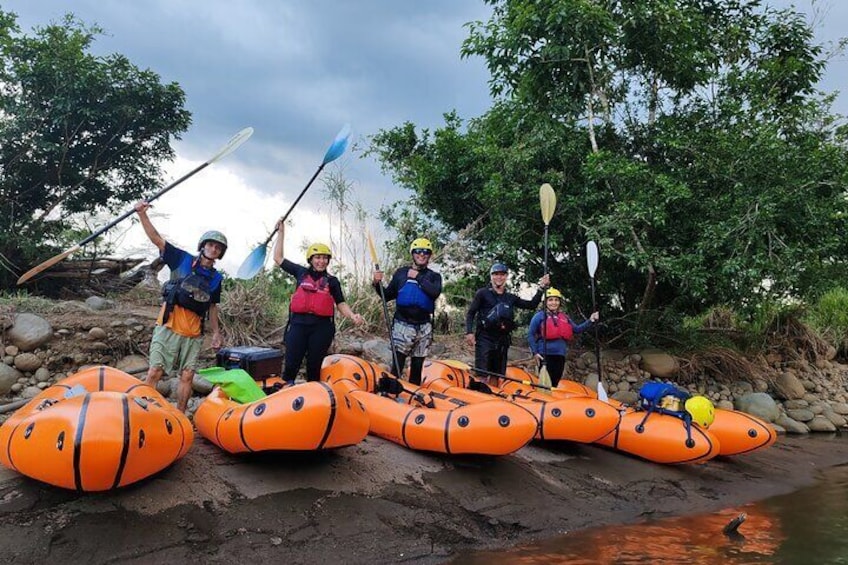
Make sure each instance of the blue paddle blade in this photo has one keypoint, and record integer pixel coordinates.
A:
(254, 263)
(339, 145)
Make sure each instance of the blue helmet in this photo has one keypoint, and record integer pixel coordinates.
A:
(498, 268)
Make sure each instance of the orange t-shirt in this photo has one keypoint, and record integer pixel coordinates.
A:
(182, 321)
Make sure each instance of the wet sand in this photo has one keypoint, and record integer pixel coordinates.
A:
(378, 502)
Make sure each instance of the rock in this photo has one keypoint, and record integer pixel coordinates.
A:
(378, 350)
(835, 419)
(759, 404)
(725, 405)
(201, 385)
(840, 408)
(8, 378)
(830, 355)
(131, 363)
(42, 386)
(29, 332)
(12, 350)
(821, 424)
(626, 397)
(801, 414)
(42, 375)
(27, 362)
(791, 426)
(659, 364)
(99, 303)
(741, 388)
(795, 404)
(31, 392)
(97, 334)
(166, 386)
(17, 387)
(788, 386)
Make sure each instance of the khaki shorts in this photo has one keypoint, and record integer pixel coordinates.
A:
(171, 350)
(412, 339)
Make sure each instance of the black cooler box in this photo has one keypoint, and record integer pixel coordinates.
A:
(260, 362)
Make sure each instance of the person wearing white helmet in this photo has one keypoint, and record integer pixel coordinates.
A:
(551, 330)
(415, 290)
(311, 326)
(493, 308)
(189, 299)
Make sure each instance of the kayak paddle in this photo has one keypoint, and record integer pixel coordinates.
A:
(231, 146)
(256, 260)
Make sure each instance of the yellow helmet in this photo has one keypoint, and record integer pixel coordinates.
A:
(318, 249)
(421, 243)
(701, 409)
(553, 293)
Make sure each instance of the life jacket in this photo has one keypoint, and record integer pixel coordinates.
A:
(501, 317)
(557, 326)
(312, 296)
(192, 292)
(412, 295)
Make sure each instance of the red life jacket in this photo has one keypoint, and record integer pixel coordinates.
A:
(312, 296)
(557, 326)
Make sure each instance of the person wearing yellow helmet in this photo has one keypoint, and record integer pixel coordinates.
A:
(550, 332)
(188, 299)
(311, 326)
(493, 309)
(415, 290)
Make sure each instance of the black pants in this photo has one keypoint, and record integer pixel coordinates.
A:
(490, 354)
(311, 341)
(416, 366)
(556, 366)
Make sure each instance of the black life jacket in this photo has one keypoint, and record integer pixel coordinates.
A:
(192, 292)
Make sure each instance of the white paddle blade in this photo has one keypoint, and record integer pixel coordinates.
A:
(234, 143)
(254, 263)
(592, 258)
(602, 393)
(547, 202)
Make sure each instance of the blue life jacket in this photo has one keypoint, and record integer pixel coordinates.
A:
(411, 294)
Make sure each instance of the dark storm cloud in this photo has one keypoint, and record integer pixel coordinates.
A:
(296, 71)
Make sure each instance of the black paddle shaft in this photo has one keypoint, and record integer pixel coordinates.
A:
(130, 212)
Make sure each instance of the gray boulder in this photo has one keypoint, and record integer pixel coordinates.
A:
(378, 350)
(98, 303)
(29, 332)
(659, 364)
(8, 377)
(789, 387)
(791, 426)
(759, 404)
(821, 424)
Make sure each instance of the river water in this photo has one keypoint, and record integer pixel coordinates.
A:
(806, 527)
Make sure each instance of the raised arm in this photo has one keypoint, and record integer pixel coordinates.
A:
(141, 209)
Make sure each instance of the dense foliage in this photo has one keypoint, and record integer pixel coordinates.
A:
(78, 133)
(686, 137)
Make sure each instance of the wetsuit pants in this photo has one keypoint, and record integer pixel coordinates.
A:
(555, 365)
(309, 340)
(491, 352)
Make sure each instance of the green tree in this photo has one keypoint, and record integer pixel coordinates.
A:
(78, 133)
(685, 136)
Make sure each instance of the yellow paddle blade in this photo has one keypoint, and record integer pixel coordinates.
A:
(455, 363)
(372, 249)
(47, 264)
(545, 378)
(547, 201)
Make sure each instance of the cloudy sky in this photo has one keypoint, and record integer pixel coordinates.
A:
(297, 71)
